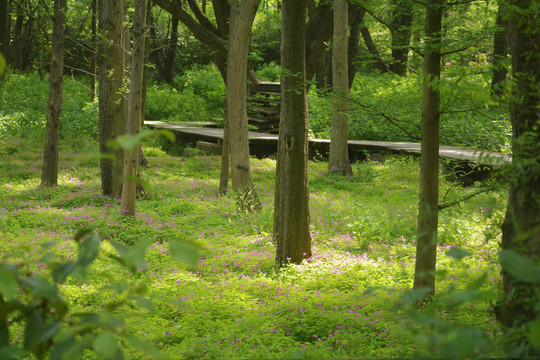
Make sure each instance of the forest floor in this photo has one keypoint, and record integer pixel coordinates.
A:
(350, 300)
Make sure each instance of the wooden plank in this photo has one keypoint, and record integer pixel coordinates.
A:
(479, 157)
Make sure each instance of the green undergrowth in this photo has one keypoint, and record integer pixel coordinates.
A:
(342, 303)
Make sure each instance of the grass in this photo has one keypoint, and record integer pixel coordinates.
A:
(342, 303)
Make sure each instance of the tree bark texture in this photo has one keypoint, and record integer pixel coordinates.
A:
(131, 158)
(521, 227)
(291, 207)
(49, 174)
(5, 37)
(339, 150)
(400, 27)
(111, 97)
(499, 56)
(171, 52)
(426, 242)
(242, 16)
(93, 59)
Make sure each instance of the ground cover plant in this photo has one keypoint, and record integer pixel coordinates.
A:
(347, 301)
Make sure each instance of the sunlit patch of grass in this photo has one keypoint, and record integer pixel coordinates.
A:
(235, 303)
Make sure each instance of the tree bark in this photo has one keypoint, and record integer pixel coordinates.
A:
(426, 243)
(49, 174)
(400, 27)
(521, 227)
(339, 150)
(242, 16)
(374, 53)
(291, 207)
(93, 59)
(499, 56)
(5, 37)
(171, 53)
(111, 98)
(131, 160)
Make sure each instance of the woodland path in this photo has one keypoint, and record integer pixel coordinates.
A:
(262, 144)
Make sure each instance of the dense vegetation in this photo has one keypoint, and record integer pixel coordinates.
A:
(199, 95)
(344, 302)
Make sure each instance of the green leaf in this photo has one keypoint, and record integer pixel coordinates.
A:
(62, 271)
(168, 134)
(457, 253)
(8, 284)
(82, 233)
(142, 346)
(128, 142)
(534, 332)
(414, 296)
(519, 267)
(41, 288)
(145, 184)
(11, 352)
(184, 251)
(89, 250)
(133, 257)
(71, 348)
(106, 346)
(144, 302)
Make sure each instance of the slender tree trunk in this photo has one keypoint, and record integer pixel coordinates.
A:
(353, 50)
(374, 53)
(49, 174)
(4, 30)
(18, 41)
(499, 56)
(111, 98)
(291, 207)
(339, 149)
(401, 35)
(521, 228)
(225, 155)
(171, 53)
(426, 243)
(131, 161)
(242, 16)
(93, 59)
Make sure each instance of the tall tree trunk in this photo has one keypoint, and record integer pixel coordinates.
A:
(353, 50)
(49, 174)
(374, 53)
(400, 28)
(93, 59)
(225, 155)
(111, 98)
(171, 53)
(521, 227)
(5, 37)
(18, 41)
(242, 16)
(291, 206)
(426, 242)
(131, 160)
(499, 56)
(339, 150)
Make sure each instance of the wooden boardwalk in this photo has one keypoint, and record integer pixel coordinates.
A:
(265, 144)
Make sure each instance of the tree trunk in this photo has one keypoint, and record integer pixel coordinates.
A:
(171, 53)
(521, 227)
(339, 150)
(225, 155)
(18, 41)
(291, 207)
(242, 16)
(353, 51)
(49, 174)
(426, 243)
(131, 161)
(4, 30)
(111, 98)
(400, 27)
(93, 59)
(374, 53)
(499, 55)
